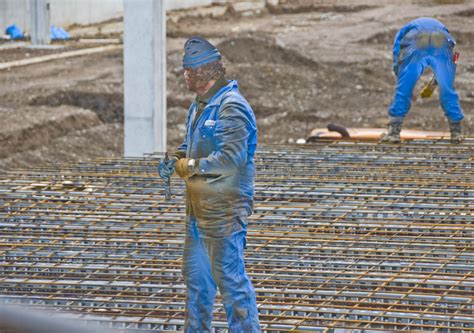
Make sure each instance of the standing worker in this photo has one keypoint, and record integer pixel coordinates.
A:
(421, 43)
(216, 160)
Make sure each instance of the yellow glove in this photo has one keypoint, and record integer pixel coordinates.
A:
(429, 88)
(185, 167)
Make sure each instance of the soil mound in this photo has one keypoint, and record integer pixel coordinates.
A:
(33, 128)
(261, 50)
(108, 107)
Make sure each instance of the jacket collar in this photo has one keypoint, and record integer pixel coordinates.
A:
(217, 98)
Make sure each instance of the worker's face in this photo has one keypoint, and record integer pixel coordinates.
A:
(193, 80)
(187, 77)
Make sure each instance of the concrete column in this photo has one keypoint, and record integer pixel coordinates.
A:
(144, 77)
(40, 26)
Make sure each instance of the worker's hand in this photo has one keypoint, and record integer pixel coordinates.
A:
(429, 88)
(185, 167)
(427, 91)
(166, 168)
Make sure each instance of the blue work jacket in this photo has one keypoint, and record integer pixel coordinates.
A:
(223, 141)
(420, 33)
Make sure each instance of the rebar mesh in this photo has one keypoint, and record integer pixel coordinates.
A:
(345, 235)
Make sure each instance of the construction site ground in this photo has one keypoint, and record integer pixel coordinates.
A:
(345, 236)
(301, 65)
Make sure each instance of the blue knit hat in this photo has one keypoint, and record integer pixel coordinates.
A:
(198, 52)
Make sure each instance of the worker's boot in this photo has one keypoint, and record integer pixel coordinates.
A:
(393, 134)
(456, 135)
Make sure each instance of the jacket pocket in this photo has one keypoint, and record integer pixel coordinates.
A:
(207, 131)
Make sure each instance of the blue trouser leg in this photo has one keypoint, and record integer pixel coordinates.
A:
(228, 270)
(200, 286)
(206, 260)
(409, 73)
(445, 71)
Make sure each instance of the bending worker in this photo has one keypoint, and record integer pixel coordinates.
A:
(216, 160)
(421, 43)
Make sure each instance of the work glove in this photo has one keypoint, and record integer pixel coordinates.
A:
(427, 91)
(185, 167)
(167, 167)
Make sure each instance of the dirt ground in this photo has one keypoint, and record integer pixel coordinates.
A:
(301, 65)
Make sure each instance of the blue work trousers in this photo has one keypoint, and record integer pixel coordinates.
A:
(411, 69)
(209, 263)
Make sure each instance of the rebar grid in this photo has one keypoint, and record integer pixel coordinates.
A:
(347, 235)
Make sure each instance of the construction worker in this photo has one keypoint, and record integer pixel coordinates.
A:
(424, 42)
(216, 160)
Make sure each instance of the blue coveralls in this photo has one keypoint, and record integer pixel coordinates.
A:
(219, 199)
(424, 42)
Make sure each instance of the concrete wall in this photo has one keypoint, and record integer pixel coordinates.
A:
(14, 12)
(177, 4)
(67, 12)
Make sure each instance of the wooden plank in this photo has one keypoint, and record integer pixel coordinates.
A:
(63, 55)
(375, 133)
